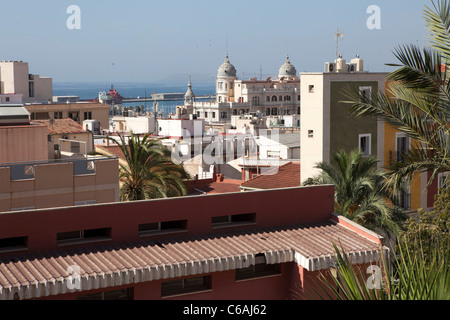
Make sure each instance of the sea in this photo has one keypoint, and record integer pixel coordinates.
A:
(90, 90)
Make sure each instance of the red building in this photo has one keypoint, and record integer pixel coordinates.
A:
(247, 245)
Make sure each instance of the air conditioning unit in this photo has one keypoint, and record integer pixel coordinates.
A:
(329, 67)
(352, 67)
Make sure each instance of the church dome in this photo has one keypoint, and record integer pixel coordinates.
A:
(287, 69)
(226, 69)
(189, 92)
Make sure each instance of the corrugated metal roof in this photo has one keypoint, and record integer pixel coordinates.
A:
(311, 246)
(11, 113)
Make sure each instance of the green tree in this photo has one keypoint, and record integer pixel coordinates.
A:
(360, 192)
(418, 100)
(431, 230)
(149, 172)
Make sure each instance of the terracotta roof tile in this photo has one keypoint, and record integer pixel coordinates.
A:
(285, 176)
(61, 126)
(225, 186)
(103, 266)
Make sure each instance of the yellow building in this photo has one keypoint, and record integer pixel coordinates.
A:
(418, 195)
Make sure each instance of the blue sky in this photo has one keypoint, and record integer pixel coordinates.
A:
(148, 40)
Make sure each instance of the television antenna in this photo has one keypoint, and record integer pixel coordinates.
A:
(338, 35)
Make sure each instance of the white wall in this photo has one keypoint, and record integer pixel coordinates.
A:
(174, 128)
(314, 112)
(140, 125)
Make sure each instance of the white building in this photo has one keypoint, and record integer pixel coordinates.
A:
(276, 97)
(16, 79)
(139, 125)
(181, 128)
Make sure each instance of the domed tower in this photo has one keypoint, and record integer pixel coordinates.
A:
(189, 97)
(226, 75)
(287, 70)
(182, 112)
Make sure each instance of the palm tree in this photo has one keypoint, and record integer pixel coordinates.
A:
(418, 100)
(409, 277)
(360, 192)
(149, 172)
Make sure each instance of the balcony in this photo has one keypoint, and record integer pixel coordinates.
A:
(81, 166)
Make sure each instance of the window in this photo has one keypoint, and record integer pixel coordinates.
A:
(444, 180)
(274, 98)
(88, 115)
(42, 116)
(206, 114)
(365, 93)
(223, 115)
(198, 114)
(267, 99)
(7, 99)
(185, 286)
(401, 146)
(365, 144)
(124, 294)
(258, 270)
(311, 89)
(74, 147)
(162, 227)
(404, 199)
(31, 89)
(71, 237)
(13, 244)
(57, 115)
(233, 220)
(74, 116)
(213, 115)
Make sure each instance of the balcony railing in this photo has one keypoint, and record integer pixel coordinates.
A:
(81, 166)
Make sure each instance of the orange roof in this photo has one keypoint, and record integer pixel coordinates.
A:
(61, 126)
(225, 186)
(285, 176)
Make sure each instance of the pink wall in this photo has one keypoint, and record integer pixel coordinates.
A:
(23, 143)
(272, 208)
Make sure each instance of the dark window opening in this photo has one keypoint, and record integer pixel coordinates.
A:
(91, 234)
(259, 269)
(233, 219)
(15, 243)
(124, 294)
(184, 286)
(162, 227)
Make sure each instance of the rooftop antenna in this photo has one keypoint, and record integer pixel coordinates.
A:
(339, 34)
